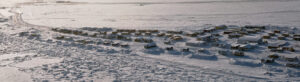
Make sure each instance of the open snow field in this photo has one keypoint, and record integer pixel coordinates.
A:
(166, 14)
(62, 41)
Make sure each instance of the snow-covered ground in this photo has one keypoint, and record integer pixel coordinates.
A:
(45, 40)
(166, 14)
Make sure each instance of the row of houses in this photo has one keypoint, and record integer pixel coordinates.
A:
(282, 35)
(286, 58)
(245, 42)
(208, 38)
(116, 44)
(30, 35)
(145, 40)
(104, 31)
(292, 61)
(122, 36)
(175, 32)
(279, 35)
(75, 32)
(254, 27)
(280, 47)
(172, 35)
(118, 37)
(106, 42)
(240, 32)
(103, 34)
(249, 40)
(96, 29)
(153, 45)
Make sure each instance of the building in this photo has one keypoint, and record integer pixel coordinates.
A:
(250, 39)
(196, 44)
(234, 35)
(296, 35)
(115, 44)
(297, 38)
(150, 45)
(285, 34)
(276, 49)
(125, 45)
(224, 45)
(3, 20)
(175, 32)
(223, 52)
(235, 46)
(281, 38)
(271, 34)
(176, 38)
(169, 48)
(227, 32)
(276, 31)
(186, 50)
(192, 34)
(295, 65)
(253, 31)
(275, 45)
(290, 59)
(238, 53)
(208, 38)
(209, 30)
(267, 37)
(160, 34)
(267, 60)
(246, 47)
(202, 50)
(221, 27)
(253, 27)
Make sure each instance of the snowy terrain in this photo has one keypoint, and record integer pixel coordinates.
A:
(155, 40)
(164, 14)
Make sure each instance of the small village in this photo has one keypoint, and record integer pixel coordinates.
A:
(271, 44)
(149, 40)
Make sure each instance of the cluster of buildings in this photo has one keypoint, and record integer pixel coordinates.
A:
(237, 41)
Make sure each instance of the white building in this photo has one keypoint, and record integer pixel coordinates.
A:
(250, 39)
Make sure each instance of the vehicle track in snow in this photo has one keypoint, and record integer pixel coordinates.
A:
(17, 20)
